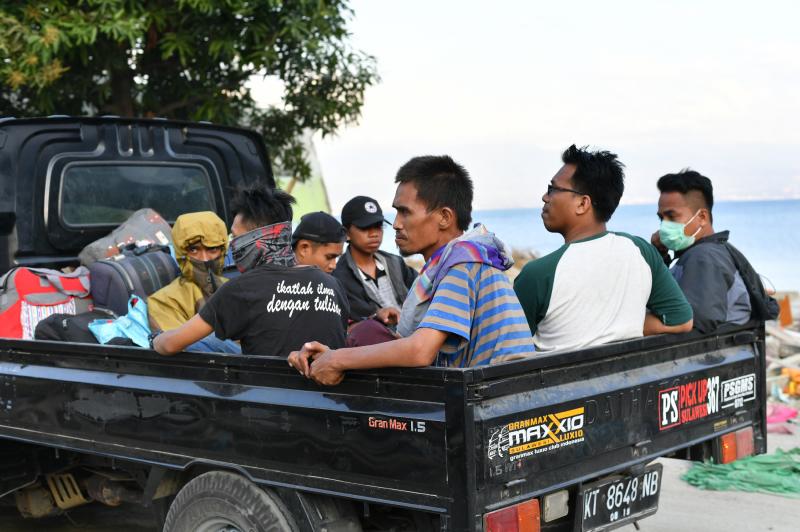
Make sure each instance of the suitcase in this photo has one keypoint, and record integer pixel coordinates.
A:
(145, 226)
(141, 272)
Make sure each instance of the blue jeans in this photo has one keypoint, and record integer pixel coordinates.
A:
(212, 344)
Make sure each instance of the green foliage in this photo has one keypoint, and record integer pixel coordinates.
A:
(187, 60)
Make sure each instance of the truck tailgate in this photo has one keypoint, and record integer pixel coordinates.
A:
(569, 422)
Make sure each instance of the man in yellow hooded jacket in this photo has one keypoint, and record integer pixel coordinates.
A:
(201, 242)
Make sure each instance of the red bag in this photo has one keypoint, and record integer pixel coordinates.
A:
(28, 295)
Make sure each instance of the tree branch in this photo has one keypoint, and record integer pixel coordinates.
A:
(166, 109)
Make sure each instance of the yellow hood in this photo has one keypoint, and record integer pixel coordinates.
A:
(206, 227)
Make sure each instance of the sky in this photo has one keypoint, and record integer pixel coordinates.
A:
(504, 87)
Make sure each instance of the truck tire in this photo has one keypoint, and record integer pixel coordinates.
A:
(225, 502)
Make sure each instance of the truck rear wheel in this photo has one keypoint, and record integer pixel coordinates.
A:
(225, 502)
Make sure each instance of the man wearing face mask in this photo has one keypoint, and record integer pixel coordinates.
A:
(705, 270)
(201, 241)
(275, 305)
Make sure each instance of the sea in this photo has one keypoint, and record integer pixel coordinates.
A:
(767, 232)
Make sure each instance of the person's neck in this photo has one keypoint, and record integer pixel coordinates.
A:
(705, 232)
(584, 231)
(365, 261)
(443, 240)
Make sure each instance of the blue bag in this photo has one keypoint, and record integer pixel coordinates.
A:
(134, 325)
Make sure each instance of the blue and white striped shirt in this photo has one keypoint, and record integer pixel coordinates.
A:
(476, 305)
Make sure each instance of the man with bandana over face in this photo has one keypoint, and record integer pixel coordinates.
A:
(275, 306)
(201, 241)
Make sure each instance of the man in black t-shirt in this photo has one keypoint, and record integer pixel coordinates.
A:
(275, 306)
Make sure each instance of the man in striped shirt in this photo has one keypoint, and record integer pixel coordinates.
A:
(462, 310)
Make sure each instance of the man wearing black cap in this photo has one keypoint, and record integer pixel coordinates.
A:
(376, 282)
(318, 241)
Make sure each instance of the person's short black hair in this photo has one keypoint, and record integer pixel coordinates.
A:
(598, 174)
(261, 205)
(440, 182)
(686, 181)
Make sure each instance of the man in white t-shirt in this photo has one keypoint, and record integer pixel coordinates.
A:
(600, 286)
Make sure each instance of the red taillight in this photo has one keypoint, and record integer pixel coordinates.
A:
(727, 448)
(735, 445)
(522, 517)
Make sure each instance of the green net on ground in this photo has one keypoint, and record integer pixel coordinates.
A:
(777, 473)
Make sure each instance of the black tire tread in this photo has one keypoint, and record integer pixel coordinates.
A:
(261, 509)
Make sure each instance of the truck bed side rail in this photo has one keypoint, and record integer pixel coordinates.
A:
(379, 436)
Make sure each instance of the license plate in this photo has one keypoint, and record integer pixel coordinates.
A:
(619, 500)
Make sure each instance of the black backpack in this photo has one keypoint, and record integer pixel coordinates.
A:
(71, 328)
(762, 306)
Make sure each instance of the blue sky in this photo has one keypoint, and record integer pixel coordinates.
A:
(505, 86)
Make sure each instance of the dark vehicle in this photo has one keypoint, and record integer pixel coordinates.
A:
(65, 182)
(219, 442)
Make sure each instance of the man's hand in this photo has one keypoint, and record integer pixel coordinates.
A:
(301, 360)
(388, 316)
(655, 239)
(418, 350)
(325, 371)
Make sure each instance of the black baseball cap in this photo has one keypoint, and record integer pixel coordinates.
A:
(319, 227)
(362, 211)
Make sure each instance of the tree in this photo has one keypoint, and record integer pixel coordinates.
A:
(186, 59)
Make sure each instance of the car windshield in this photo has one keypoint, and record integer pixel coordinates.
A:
(103, 194)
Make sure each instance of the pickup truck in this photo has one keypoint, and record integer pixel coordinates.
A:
(215, 442)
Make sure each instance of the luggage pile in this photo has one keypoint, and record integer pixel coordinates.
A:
(134, 260)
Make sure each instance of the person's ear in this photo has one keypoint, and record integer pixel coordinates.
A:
(704, 217)
(447, 218)
(583, 206)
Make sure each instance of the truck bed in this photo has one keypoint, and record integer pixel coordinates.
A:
(454, 442)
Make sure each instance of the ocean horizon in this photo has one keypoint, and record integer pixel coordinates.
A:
(766, 231)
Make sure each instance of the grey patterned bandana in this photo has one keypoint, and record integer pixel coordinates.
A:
(271, 244)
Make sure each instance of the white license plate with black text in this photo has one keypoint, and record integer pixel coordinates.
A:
(618, 500)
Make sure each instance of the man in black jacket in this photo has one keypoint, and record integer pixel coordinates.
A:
(706, 269)
(376, 282)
